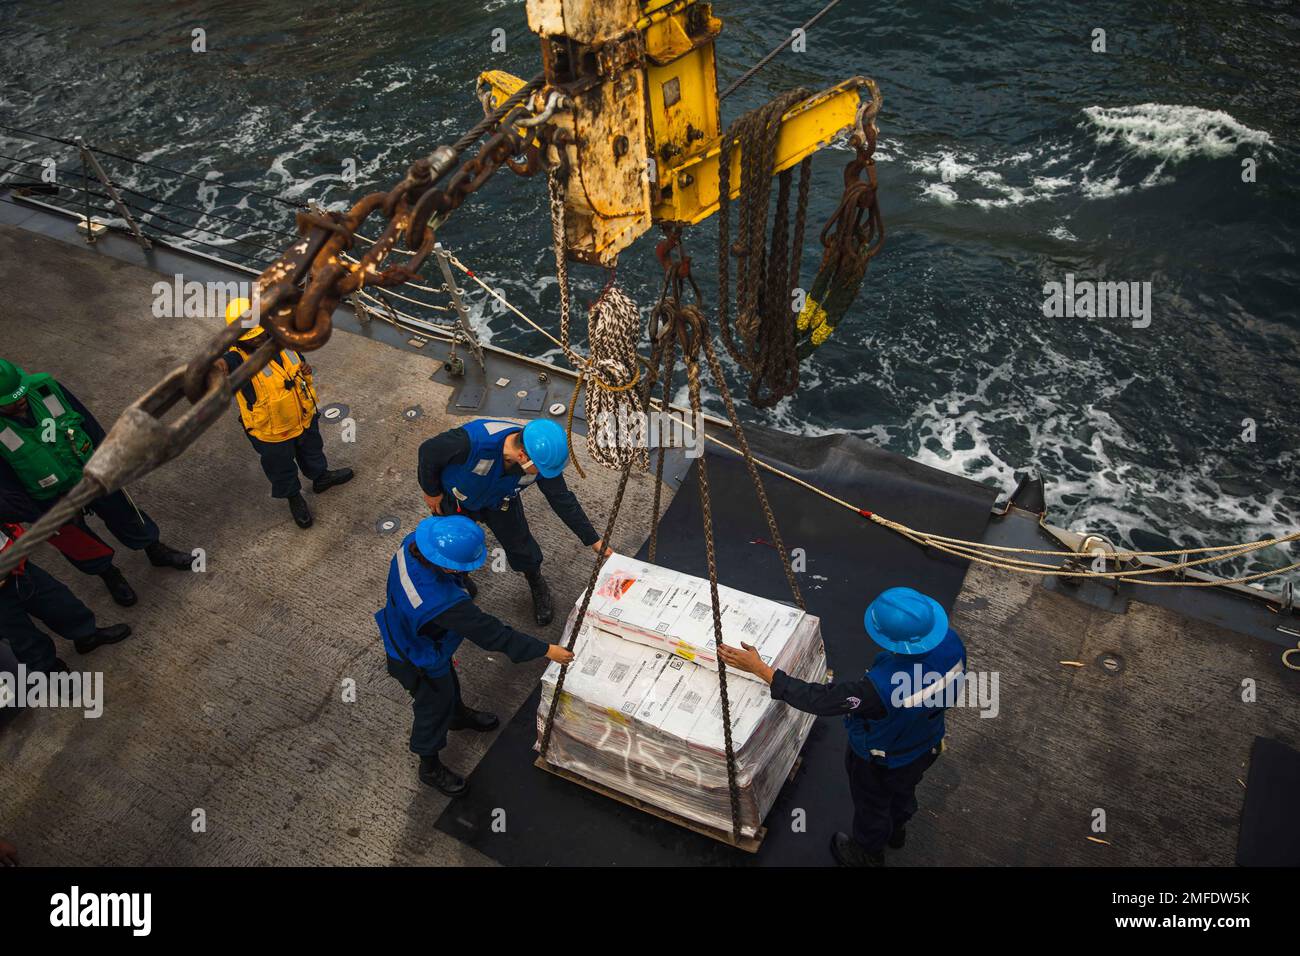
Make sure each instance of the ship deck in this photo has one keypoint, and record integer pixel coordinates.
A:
(228, 697)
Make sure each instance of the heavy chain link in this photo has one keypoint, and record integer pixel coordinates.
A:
(296, 297)
(851, 238)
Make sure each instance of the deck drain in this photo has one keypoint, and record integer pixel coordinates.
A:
(334, 412)
(388, 524)
(412, 413)
(1111, 663)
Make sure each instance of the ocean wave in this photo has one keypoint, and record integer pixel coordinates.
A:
(1172, 133)
(1150, 138)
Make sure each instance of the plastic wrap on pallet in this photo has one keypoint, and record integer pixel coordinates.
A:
(667, 609)
(640, 716)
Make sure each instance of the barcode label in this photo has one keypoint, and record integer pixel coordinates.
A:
(618, 672)
(652, 596)
(591, 664)
(700, 611)
(690, 700)
(751, 626)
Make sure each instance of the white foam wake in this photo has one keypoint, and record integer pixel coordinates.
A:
(1173, 133)
(1149, 136)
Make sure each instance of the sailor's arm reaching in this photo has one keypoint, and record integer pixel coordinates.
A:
(858, 697)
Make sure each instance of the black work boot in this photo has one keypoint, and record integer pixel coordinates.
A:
(301, 513)
(339, 476)
(102, 636)
(543, 610)
(434, 774)
(121, 592)
(479, 721)
(898, 838)
(848, 852)
(162, 556)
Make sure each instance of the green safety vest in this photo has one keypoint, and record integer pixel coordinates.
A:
(46, 468)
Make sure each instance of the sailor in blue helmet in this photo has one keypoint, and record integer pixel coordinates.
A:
(479, 469)
(894, 715)
(430, 610)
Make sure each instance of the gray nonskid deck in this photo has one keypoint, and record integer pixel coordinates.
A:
(1159, 745)
(228, 699)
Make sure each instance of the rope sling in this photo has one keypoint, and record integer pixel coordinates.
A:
(614, 329)
(616, 433)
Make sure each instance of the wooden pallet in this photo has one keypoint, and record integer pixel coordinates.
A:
(748, 844)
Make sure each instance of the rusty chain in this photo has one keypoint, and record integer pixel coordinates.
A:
(296, 296)
(766, 274)
(851, 238)
(676, 326)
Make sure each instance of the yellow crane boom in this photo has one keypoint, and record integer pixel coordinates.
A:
(633, 84)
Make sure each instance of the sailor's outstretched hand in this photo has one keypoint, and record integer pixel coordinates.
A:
(601, 549)
(746, 659)
(559, 654)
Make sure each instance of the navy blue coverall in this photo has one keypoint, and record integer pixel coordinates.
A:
(436, 701)
(281, 460)
(33, 592)
(884, 798)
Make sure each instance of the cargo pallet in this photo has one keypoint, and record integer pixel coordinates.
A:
(748, 844)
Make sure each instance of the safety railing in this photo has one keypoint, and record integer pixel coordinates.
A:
(108, 190)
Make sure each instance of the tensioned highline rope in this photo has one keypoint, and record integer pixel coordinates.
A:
(979, 552)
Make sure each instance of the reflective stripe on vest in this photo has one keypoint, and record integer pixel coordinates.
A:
(912, 724)
(54, 405)
(481, 482)
(46, 468)
(416, 595)
(408, 585)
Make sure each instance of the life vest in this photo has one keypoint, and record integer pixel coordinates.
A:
(914, 708)
(481, 482)
(47, 460)
(285, 399)
(416, 595)
(9, 533)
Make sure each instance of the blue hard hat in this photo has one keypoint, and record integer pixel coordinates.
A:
(547, 447)
(906, 621)
(453, 542)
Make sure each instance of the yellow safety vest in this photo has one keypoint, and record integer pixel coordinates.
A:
(286, 400)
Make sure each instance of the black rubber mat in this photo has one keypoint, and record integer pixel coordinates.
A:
(1270, 832)
(543, 820)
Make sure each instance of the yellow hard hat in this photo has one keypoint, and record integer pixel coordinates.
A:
(235, 309)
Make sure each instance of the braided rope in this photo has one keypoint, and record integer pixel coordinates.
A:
(617, 429)
(616, 425)
(939, 541)
(765, 274)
